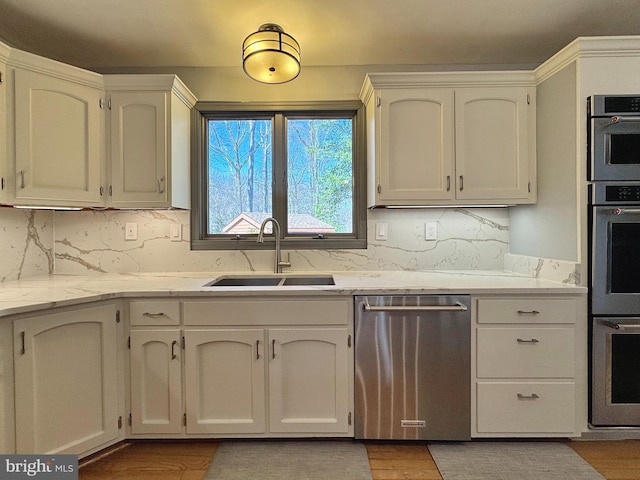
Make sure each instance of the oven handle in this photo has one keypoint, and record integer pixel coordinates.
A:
(623, 211)
(620, 119)
(619, 326)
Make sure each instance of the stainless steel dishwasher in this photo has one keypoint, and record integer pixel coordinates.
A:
(413, 367)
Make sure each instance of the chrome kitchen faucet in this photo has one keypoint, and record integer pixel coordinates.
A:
(278, 263)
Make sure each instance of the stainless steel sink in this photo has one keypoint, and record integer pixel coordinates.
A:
(270, 280)
(304, 280)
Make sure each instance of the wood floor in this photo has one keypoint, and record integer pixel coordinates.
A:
(169, 460)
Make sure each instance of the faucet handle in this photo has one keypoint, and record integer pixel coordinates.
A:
(287, 263)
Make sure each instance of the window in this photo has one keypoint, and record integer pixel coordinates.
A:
(303, 165)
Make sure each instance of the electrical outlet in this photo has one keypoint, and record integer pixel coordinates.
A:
(431, 231)
(130, 231)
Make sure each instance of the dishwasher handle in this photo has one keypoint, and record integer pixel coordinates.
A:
(458, 307)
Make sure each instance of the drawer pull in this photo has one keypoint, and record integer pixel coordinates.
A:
(528, 312)
(533, 396)
(533, 340)
(153, 315)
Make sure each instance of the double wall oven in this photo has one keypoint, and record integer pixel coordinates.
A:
(614, 273)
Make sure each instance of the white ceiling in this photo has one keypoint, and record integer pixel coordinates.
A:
(209, 33)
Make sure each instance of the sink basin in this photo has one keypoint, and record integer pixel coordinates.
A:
(270, 281)
(303, 280)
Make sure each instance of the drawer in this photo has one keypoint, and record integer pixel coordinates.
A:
(525, 352)
(515, 408)
(150, 312)
(526, 310)
(269, 311)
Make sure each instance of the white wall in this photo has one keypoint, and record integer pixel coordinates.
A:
(549, 228)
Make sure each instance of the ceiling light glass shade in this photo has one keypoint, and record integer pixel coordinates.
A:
(270, 55)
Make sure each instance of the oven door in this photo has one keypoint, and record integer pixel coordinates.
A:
(615, 263)
(615, 395)
(615, 148)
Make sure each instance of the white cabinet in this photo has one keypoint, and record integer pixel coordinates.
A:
(156, 358)
(527, 379)
(58, 142)
(4, 53)
(67, 390)
(149, 141)
(156, 381)
(446, 139)
(269, 366)
(308, 380)
(225, 381)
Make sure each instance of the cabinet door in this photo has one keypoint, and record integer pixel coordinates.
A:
(224, 381)
(309, 380)
(493, 153)
(139, 150)
(66, 381)
(156, 381)
(415, 149)
(3, 133)
(58, 141)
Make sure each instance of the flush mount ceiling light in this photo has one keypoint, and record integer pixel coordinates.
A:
(270, 55)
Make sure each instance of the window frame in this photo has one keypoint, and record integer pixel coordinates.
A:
(203, 111)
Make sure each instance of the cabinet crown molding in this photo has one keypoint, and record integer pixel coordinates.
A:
(150, 82)
(589, 47)
(523, 78)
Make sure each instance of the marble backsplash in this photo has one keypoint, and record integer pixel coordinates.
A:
(86, 242)
(26, 237)
(40, 242)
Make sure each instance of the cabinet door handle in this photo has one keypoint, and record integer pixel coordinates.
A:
(23, 349)
(257, 349)
(461, 182)
(533, 396)
(273, 349)
(448, 183)
(533, 340)
(161, 185)
(528, 312)
(21, 178)
(173, 353)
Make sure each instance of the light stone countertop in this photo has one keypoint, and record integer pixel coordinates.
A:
(43, 292)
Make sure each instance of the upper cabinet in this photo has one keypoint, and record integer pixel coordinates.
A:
(58, 140)
(4, 54)
(75, 138)
(149, 141)
(450, 139)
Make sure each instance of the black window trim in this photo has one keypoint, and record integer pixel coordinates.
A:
(200, 240)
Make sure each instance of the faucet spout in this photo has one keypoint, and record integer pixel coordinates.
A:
(278, 263)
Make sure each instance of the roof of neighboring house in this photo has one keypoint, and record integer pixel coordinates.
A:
(249, 222)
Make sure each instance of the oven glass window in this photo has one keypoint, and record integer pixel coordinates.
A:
(625, 258)
(625, 149)
(625, 374)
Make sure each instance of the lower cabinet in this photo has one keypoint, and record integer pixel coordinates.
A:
(67, 389)
(242, 367)
(530, 379)
(309, 380)
(156, 381)
(225, 381)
